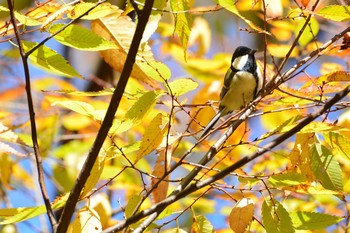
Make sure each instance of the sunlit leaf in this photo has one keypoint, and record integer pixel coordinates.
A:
(87, 220)
(103, 92)
(230, 6)
(98, 12)
(81, 108)
(153, 136)
(201, 225)
(120, 30)
(6, 169)
(280, 50)
(200, 36)
(101, 204)
(80, 38)
(326, 168)
(310, 32)
(182, 86)
(49, 60)
(287, 179)
(275, 218)
(132, 204)
(183, 20)
(337, 76)
(301, 154)
(311, 221)
(26, 20)
(14, 215)
(339, 143)
(136, 113)
(335, 12)
(95, 174)
(161, 166)
(241, 215)
(156, 70)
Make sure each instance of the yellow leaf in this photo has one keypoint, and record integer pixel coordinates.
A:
(6, 170)
(200, 34)
(153, 136)
(241, 215)
(101, 204)
(94, 175)
(87, 220)
(301, 154)
(120, 30)
(279, 50)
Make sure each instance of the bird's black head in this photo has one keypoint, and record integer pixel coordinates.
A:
(248, 64)
(241, 51)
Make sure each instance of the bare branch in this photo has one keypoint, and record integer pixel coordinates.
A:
(38, 158)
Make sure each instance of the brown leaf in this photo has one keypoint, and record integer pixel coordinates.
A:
(120, 30)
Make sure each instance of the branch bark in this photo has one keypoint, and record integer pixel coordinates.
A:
(37, 154)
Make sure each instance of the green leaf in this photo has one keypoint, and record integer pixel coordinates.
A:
(49, 60)
(339, 144)
(276, 218)
(95, 174)
(182, 86)
(132, 204)
(326, 168)
(202, 225)
(80, 38)
(82, 108)
(156, 70)
(183, 20)
(153, 136)
(14, 215)
(311, 221)
(335, 12)
(26, 20)
(287, 179)
(98, 12)
(104, 92)
(310, 31)
(136, 113)
(284, 127)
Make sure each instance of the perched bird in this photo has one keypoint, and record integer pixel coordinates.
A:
(242, 83)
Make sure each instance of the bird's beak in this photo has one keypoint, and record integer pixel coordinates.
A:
(253, 51)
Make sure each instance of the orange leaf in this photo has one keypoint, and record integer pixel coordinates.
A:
(241, 215)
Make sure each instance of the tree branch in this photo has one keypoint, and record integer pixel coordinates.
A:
(37, 154)
(107, 122)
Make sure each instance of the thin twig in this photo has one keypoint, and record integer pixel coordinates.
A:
(38, 158)
(295, 41)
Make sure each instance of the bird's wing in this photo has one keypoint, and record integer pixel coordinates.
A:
(211, 124)
(227, 83)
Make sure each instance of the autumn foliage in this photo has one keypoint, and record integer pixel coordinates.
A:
(126, 155)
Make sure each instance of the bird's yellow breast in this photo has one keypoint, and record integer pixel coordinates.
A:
(240, 93)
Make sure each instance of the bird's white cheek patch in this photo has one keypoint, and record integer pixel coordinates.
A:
(240, 62)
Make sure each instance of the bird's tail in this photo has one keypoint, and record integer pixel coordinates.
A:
(211, 124)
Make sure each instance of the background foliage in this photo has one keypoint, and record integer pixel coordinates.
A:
(285, 168)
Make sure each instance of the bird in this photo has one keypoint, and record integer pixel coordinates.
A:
(242, 83)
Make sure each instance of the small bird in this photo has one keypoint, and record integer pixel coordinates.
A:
(242, 83)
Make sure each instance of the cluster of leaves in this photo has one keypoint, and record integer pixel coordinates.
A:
(153, 144)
